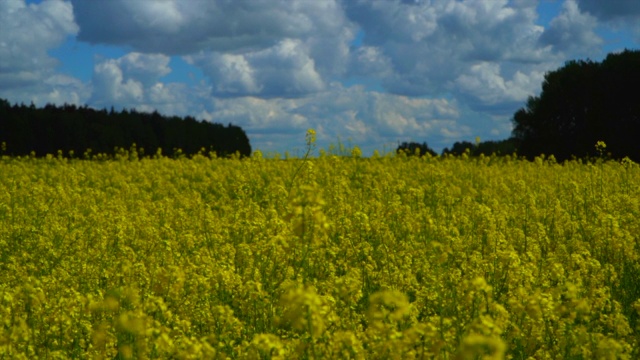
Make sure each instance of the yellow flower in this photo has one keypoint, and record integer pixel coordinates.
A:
(477, 346)
(388, 306)
(310, 137)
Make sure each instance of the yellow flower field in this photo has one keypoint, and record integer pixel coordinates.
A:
(389, 257)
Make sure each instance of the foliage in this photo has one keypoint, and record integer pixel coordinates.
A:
(328, 257)
(582, 103)
(487, 148)
(413, 148)
(75, 130)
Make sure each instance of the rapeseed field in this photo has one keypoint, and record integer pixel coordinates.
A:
(345, 257)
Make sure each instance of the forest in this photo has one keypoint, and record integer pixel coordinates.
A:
(79, 131)
(582, 103)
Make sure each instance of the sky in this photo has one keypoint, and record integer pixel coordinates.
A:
(371, 73)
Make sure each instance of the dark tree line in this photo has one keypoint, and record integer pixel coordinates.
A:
(413, 148)
(488, 148)
(582, 103)
(70, 128)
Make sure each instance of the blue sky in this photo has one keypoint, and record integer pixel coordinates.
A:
(368, 72)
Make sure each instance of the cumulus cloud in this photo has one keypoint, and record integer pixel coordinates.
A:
(611, 9)
(135, 81)
(572, 31)
(146, 68)
(285, 69)
(368, 118)
(615, 14)
(182, 27)
(371, 61)
(486, 87)
(61, 89)
(246, 47)
(428, 47)
(483, 30)
(110, 85)
(429, 70)
(232, 74)
(283, 48)
(27, 32)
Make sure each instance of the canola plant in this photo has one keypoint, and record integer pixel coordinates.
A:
(344, 257)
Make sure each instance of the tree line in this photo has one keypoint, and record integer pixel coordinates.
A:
(75, 130)
(500, 147)
(581, 104)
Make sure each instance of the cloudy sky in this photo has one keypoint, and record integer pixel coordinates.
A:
(370, 73)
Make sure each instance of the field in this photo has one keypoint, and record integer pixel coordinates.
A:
(319, 257)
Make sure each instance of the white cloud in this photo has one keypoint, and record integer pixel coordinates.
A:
(484, 85)
(110, 85)
(231, 74)
(442, 70)
(157, 16)
(285, 69)
(62, 89)
(616, 14)
(368, 118)
(488, 52)
(27, 33)
(171, 99)
(146, 68)
(428, 47)
(371, 61)
(611, 10)
(181, 27)
(246, 47)
(572, 32)
(135, 81)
